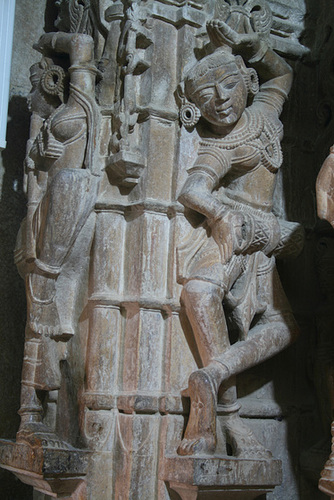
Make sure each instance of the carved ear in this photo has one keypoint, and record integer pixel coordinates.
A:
(252, 81)
(189, 112)
(52, 81)
(249, 75)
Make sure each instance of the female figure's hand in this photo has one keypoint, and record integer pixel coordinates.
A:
(232, 233)
(246, 44)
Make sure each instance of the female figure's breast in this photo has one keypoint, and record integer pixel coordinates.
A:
(68, 133)
(254, 165)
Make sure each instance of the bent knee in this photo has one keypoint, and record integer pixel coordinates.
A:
(292, 325)
(195, 290)
(288, 325)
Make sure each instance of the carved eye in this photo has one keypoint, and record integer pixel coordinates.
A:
(206, 93)
(230, 85)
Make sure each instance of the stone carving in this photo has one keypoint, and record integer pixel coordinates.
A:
(325, 209)
(54, 241)
(228, 269)
(75, 16)
(103, 175)
(325, 202)
(127, 161)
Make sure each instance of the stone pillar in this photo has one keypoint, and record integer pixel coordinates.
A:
(133, 348)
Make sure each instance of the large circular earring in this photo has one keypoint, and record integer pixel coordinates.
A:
(252, 81)
(189, 114)
(52, 81)
(249, 76)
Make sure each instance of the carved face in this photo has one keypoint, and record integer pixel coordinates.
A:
(38, 103)
(220, 94)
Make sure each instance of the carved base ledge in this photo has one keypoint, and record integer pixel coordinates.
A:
(223, 478)
(173, 403)
(135, 403)
(55, 472)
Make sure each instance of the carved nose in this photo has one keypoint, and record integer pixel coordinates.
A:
(221, 92)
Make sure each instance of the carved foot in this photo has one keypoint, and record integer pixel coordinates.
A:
(241, 438)
(43, 317)
(200, 436)
(36, 434)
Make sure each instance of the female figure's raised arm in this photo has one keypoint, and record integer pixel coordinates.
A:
(271, 68)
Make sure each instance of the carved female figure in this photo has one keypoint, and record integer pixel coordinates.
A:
(62, 189)
(228, 269)
(64, 149)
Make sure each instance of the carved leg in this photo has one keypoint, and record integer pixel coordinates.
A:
(43, 317)
(60, 217)
(203, 302)
(37, 350)
(204, 306)
(263, 342)
(31, 410)
(275, 330)
(242, 440)
(35, 382)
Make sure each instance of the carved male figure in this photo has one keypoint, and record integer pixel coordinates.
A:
(229, 274)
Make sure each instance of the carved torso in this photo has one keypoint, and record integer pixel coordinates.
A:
(62, 140)
(245, 162)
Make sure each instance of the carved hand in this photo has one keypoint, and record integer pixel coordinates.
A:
(44, 41)
(230, 231)
(246, 44)
(29, 164)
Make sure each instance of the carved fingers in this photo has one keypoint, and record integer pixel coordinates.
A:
(231, 233)
(29, 164)
(222, 34)
(246, 44)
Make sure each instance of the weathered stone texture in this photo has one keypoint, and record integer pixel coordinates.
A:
(131, 356)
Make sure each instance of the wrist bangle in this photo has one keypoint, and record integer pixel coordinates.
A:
(218, 215)
(260, 53)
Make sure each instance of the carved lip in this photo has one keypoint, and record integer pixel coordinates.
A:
(224, 110)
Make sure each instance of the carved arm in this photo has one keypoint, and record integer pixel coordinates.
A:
(197, 195)
(80, 47)
(269, 65)
(227, 226)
